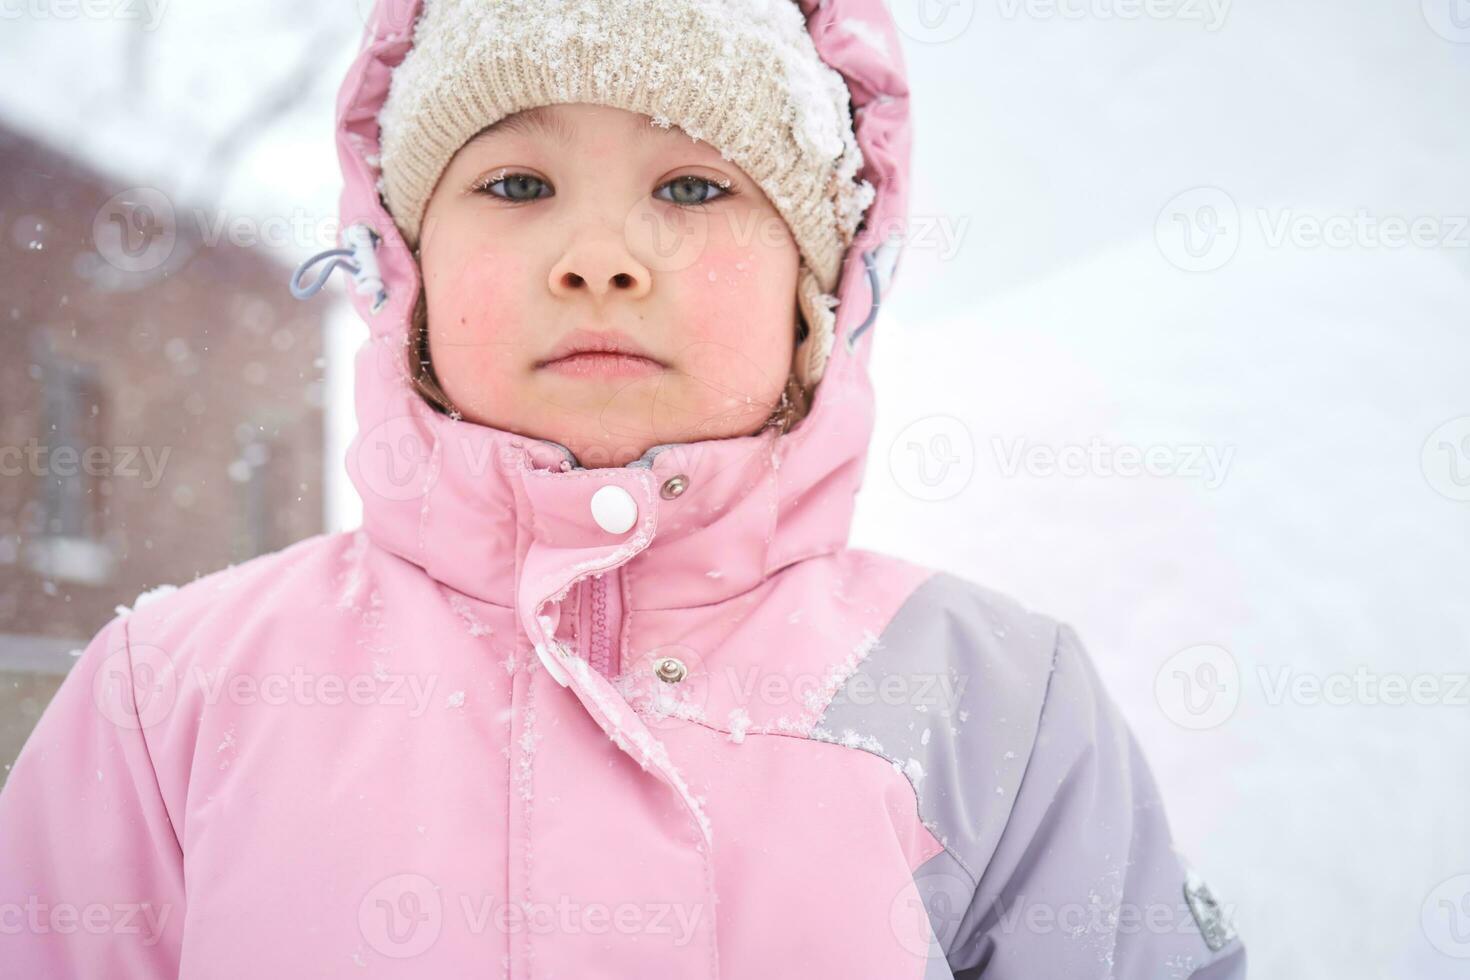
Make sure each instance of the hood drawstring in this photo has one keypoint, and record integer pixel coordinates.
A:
(359, 259)
(880, 261)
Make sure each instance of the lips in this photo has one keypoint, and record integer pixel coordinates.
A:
(596, 342)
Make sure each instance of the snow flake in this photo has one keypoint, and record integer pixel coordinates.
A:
(458, 603)
(850, 738)
(866, 33)
(837, 675)
(739, 724)
(144, 598)
(649, 749)
(227, 744)
(1180, 967)
(527, 744)
(353, 577)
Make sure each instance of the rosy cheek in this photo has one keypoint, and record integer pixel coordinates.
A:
(721, 291)
(734, 330)
(477, 297)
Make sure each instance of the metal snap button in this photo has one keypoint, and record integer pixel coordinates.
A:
(671, 670)
(614, 509)
(674, 486)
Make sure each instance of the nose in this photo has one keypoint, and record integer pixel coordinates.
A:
(600, 266)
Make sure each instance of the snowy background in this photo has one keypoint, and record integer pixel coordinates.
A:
(1164, 229)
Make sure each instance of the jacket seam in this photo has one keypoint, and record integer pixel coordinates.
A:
(918, 809)
(143, 738)
(1030, 758)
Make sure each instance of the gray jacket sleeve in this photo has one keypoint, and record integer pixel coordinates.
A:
(1084, 880)
(1057, 861)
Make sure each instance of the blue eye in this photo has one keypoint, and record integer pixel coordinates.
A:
(518, 187)
(690, 191)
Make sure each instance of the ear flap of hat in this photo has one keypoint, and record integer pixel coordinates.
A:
(816, 309)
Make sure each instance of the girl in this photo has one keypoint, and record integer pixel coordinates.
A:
(598, 689)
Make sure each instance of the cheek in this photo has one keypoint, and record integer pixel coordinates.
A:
(476, 300)
(740, 295)
(737, 322)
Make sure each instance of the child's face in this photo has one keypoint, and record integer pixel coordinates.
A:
(625, 228)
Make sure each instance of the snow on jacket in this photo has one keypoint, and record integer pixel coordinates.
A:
(497, 731)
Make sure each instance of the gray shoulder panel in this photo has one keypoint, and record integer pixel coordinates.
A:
(1056, 843)
(957, 678)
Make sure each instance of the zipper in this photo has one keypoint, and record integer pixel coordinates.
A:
(601, 621)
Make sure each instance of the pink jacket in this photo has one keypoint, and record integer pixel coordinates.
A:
(652, 721)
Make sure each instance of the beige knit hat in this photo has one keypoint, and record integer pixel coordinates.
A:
(741, 75)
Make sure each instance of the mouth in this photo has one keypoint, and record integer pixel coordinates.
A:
(595, 364)
(591, 354)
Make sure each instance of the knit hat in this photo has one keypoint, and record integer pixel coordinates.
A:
(741, 75)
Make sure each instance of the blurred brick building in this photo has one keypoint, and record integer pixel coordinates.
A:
(160, 409)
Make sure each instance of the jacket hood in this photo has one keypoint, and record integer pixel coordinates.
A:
(505, 518)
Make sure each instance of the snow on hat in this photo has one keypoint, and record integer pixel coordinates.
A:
(741, 75)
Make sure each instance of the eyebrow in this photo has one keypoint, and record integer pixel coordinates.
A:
(541, 120)
(529, 122)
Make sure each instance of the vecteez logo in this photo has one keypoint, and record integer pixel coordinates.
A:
(1450, 19)
(1198, 687)
(136, 230)
(401, 916)
(386, 17)
(136, 686)
(1199, 230)
(933, 458)
(932, 21)
(396, 461)
(1445, 459)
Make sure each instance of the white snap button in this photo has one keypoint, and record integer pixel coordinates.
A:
(614, 509)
